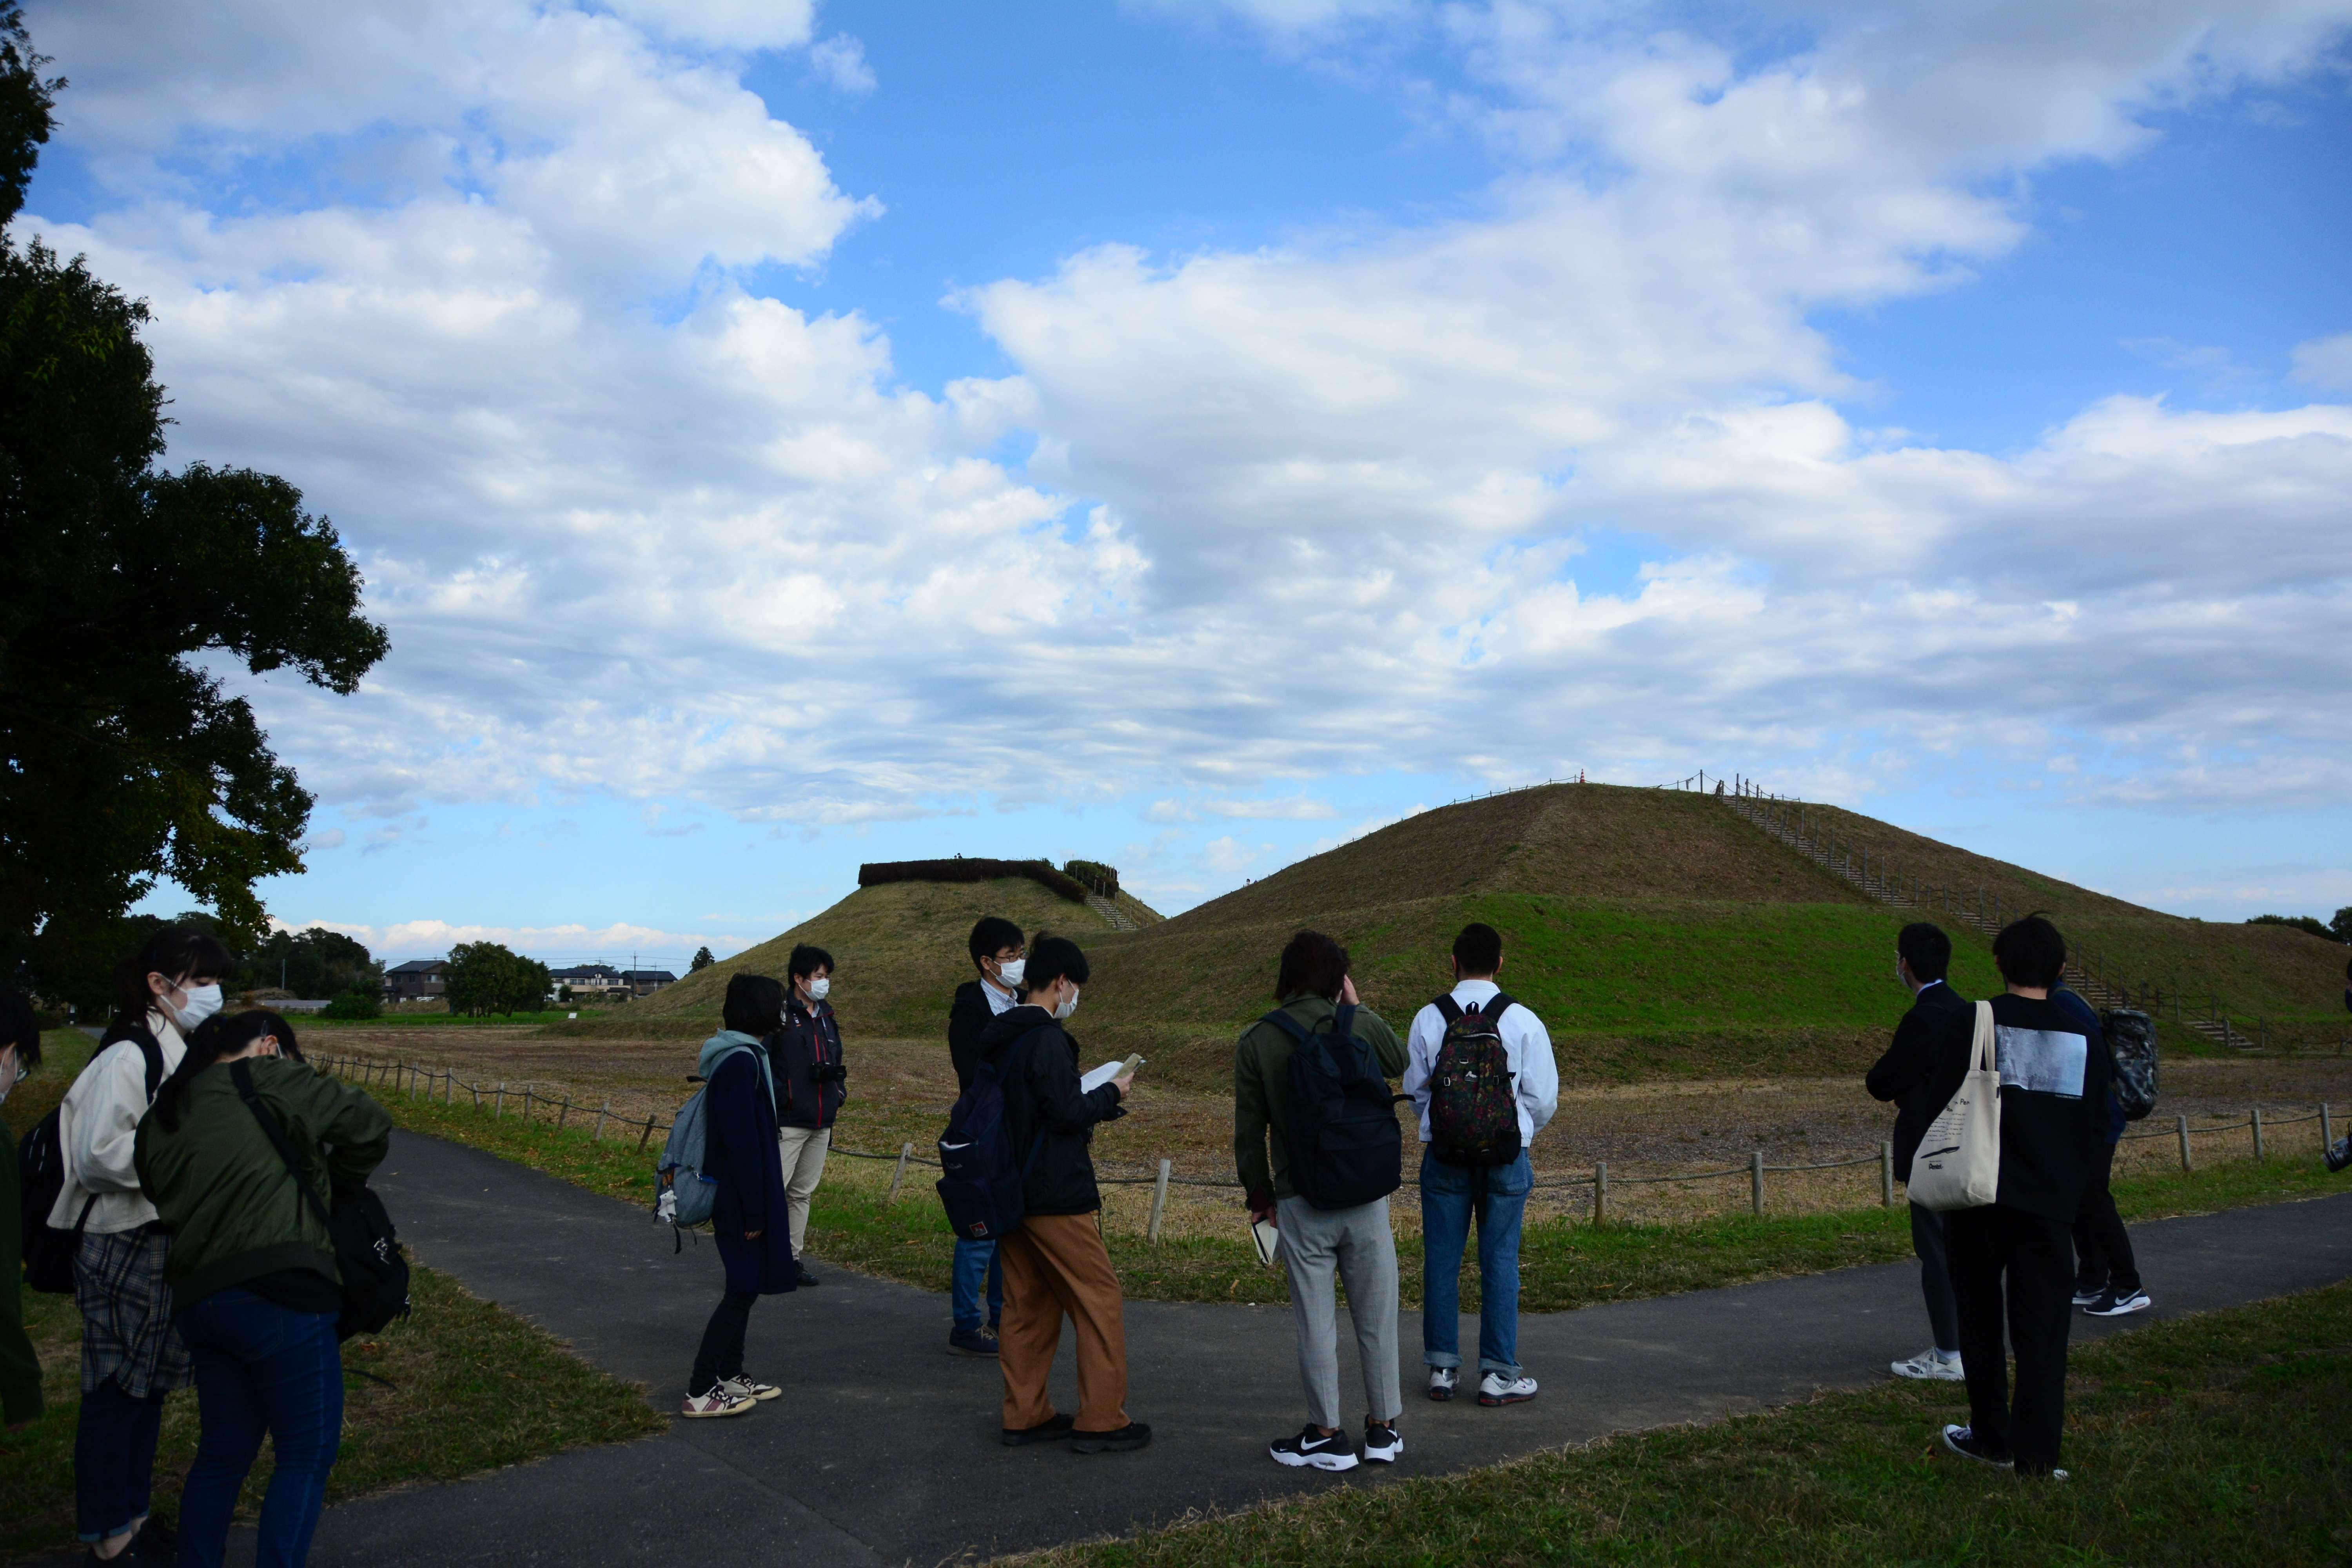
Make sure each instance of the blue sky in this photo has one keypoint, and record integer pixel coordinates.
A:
(779, 437)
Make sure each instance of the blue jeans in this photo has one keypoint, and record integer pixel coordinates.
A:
(1448, 1198)
(975, 1260)
(114, 1456)
(259, 1367)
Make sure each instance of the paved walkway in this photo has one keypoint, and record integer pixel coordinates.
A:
(882, 1451)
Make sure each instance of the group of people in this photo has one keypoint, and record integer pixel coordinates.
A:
(183, 1152)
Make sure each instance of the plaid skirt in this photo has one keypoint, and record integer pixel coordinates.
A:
(126, 1313)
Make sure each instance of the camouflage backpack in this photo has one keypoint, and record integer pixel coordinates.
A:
(1474, 1105)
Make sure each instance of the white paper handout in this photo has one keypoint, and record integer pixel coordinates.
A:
(1108, 1071)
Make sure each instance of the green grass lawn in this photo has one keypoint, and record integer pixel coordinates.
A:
(2213, 1440)
(1563, 1264)
(474, 1387)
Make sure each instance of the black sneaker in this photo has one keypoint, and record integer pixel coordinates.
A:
(2340, 1153)
(2086, 1294)
(972, 1341)
(1962, 1441)
(155, 1543)
(1382, 1443)
(2113, 1305)
(1311, 1448)
(804, 1278)
(1134, 1434)
(1053, 1431)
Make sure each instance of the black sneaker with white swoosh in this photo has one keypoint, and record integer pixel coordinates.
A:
(1313, 1447)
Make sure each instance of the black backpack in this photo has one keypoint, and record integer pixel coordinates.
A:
(367, 1248)
(2131, 1040)
(1342, 1132)
(1474, 1101)
(986, 1194)
(41, 1175)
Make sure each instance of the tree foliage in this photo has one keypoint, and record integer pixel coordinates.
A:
(703, 959)
(488, 978)
(2304, 923)
(124, 758)
(311, 964)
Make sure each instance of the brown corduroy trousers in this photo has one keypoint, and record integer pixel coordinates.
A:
(1056, 1264)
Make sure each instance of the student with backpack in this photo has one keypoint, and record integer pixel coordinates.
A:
(810, 1084)
(1480, 1070)
(2013, 1258)
(131, 1356)
(1923, 955)
(739, 1157)
(998, 952)
(20, 1369)
(2107, 1271)
(1317, 1147)
(255, 1292)
(1054, 1261)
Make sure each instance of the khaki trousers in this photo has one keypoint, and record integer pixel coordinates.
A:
(802, 1149)
(1053, 1266)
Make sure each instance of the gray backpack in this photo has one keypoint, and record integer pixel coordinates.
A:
(684, 1196)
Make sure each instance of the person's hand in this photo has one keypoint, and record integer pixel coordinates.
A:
(1348, 991)
(1123, 1083)
(1264, 1215)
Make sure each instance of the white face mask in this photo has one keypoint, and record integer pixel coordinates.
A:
(1068, 1006)
(819, 986)
(1009, 973)
(202, 1002)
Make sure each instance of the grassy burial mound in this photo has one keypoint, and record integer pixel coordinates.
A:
(898, 949)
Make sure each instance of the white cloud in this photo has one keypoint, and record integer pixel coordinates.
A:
(841, 60)
(616, 943)
(2326, 363)
(724, 24)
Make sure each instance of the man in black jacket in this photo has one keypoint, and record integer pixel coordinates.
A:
(2014, 1257)
(998, 952)
(1923, 955)
(810, 1084)
(1055, 1263)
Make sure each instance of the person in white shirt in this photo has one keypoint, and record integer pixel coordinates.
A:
(1474, 1166)
(130, 1354)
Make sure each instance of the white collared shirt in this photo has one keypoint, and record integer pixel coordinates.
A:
(1526, 1043)
(999, 1002)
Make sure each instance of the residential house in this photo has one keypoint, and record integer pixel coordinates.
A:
(418, 980)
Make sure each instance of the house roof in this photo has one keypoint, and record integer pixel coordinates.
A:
(419, 966)
(649, 976)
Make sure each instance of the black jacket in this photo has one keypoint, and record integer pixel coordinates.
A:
(1037, 1063)
(2055, 1077)
(1901, 1075)
(810, 1036)
(968, 1019)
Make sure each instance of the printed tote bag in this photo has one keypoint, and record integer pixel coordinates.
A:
(1959, 1163)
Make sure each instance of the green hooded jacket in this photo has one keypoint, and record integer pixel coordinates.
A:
(1262, 1088)
(217, 1181)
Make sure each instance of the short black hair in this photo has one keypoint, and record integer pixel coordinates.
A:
(2030, 952)
(1479, 949)
(1925, 946)
(991, 936)
(19, 1028)
(1052, 958)
(807, 961)
(754, 1006)
(1312, 964)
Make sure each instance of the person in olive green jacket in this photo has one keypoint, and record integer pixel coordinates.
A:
(255, 1288)
(20, 1369)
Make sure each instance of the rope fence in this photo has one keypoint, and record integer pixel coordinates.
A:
(427, 1083)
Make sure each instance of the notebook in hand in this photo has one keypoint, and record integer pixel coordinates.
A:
(1269, 1240)
(1108, 1071)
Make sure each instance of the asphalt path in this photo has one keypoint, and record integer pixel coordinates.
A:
(883, 1449)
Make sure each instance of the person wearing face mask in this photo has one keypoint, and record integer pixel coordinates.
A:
(1922, 954)
(1056, 1264)
(999, 952)
(810, 1084)
(255, 1288)
(20, 1369)
(131, 1356)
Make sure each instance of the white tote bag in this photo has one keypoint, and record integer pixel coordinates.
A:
(1959, 1163)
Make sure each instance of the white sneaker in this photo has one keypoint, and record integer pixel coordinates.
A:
(1442, 1381)
(743, 1387)
(1502, 1388)
(1931, 1365)
(718, 1401)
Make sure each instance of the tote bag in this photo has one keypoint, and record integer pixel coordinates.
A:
(1959, 1163)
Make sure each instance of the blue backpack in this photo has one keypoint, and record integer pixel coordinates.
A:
(979, 1185)
(1342, 1132)
(685, 1196)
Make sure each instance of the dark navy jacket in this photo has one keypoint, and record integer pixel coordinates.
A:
(738, 1150)
(1902, 1074)
(809, 1036)
(1037, 1063)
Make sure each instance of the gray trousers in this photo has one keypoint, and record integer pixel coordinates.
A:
(1324, 1247)
(1935, 1278)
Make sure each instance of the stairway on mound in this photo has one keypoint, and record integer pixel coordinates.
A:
(2086, 975)
(1108, 908)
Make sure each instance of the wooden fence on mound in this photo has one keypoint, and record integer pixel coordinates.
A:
(426, 1082)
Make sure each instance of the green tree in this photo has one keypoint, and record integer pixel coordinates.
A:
(2294, 922)
(488, 977)
(704, 959)
(124, 760)
(313, 963)
(2340, 928)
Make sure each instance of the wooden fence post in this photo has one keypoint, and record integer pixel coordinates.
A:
(2258, 1131)
(1601, 1192)
(647, 1133)
(498, 1105)
(906, 1152)
(602, 1111)
(564, 1114)
(450, 1094)
(1756, 1180)
(2326, 1130)
(526, 1102)
(1159, 1203)
(1887, 1174)
(2181, 1123)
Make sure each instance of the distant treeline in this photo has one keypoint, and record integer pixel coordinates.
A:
(965, 869)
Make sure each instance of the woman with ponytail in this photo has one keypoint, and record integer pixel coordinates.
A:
(252, 1271)
(130, 1357)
